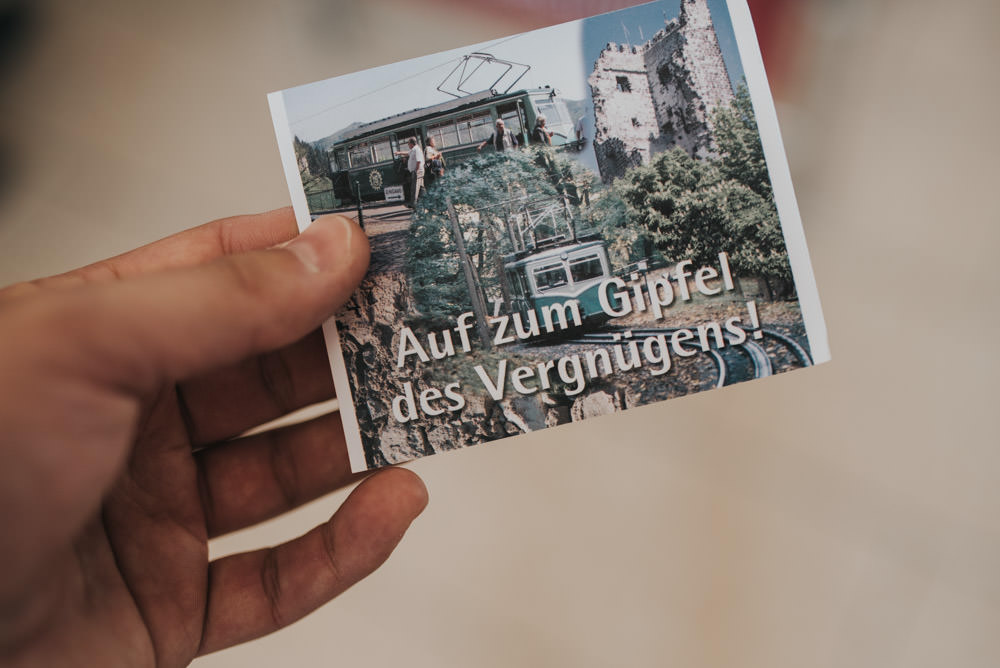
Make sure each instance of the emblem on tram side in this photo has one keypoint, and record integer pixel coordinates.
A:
(375, 179)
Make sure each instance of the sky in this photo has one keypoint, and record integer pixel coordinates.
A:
(561, 56)
(319, 109)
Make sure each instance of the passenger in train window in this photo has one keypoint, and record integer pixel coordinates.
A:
(502, 139)
(541, 134)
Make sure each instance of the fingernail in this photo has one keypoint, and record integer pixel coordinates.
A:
(323, 242)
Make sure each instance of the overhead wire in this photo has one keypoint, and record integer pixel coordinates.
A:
(394, 83)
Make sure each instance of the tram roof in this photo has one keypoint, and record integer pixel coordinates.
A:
(409, 117)
(521, 259)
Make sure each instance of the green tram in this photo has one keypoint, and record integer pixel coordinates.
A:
(364, 164)
(556, 275)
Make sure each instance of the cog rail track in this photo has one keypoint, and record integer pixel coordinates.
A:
(734, 364)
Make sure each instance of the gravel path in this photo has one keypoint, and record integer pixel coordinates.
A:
(388, 230)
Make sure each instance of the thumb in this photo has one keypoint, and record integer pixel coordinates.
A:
(140, 333)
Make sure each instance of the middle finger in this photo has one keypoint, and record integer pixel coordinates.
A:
(255, 478)
(229, 401)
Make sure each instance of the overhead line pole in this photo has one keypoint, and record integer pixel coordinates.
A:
(478, 307)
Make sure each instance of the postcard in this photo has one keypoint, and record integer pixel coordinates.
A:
(564, 224)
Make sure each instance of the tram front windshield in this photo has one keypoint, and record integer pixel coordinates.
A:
(555, 112)
(586, 268)
(550, 276)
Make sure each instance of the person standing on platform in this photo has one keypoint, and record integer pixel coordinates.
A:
(415, 165)
(435, 161)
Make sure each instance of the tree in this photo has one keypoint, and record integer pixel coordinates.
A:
(314, 171)
(609, 216)
(678, 207)
(487, 192)
(688, 209)
(315, 159)
(741, 155)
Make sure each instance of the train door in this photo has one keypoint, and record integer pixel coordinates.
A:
(401, 164)
(513, 119)
(340, 179)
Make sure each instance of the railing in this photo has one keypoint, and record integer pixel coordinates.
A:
(323, 200)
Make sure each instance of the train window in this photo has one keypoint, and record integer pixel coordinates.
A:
(554, 113)
(340, 160)
(512, 121)
(383, 151)
(444, 134)
(466, 130)
(481, 126)
(360, 155)
(586, 268)
(550, 276)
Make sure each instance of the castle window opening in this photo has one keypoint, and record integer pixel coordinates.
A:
(624, 85)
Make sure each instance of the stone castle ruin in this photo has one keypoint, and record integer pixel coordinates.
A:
(661, 94)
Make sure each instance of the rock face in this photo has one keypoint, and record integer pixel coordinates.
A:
(595, 404)
(369, 330)
(369, 336)
(661, 94)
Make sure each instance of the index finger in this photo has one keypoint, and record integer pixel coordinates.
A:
(173, 325)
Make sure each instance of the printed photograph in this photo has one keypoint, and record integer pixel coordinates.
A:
(564, 224)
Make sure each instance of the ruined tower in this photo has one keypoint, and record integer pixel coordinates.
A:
(650, 98)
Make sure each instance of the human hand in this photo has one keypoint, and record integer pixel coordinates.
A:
(120, 387)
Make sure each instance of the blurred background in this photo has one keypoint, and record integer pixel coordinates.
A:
(842, 515)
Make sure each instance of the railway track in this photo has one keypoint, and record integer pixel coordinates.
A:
(734, 362)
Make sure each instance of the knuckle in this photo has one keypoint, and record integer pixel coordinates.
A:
(284, 472)
(277, 379)
(246, 277)
(270, 581)
(224, 236)
(330, 553)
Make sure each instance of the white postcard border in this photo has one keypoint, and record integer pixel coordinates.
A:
(781, 180)
(300, 205)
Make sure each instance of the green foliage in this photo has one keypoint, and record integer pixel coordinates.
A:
(675, 208)
(678, 207)
(687, 208)
(741, 155)
(316, 161)
(484, 191)
(314, 171)
(609, 216)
